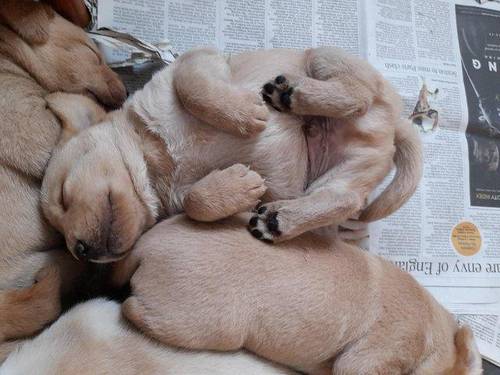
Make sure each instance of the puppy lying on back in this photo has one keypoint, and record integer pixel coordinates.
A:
(93, 338)
(41, 55)
(317, 305)
(182, 143)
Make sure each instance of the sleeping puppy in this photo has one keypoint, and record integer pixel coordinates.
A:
(94, 338)
(41, 54)
(184, 142)
(315, 304)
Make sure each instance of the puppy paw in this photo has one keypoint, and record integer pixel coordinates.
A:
(279, 93)
(246, 187)
(257, 116)
(224, 193)
(265, 224)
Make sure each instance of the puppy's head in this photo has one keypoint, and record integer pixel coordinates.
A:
(96, 192)
(58, 54)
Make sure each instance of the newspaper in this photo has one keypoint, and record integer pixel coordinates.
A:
(487, 332)
(447, 235)
(444, 58)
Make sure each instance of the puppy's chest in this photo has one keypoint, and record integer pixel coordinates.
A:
(325, 145)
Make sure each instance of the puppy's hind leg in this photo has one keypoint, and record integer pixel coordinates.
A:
(337, 85)
(202, 80)
(332, 199)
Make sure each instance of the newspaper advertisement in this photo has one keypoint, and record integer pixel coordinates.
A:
(443, 56)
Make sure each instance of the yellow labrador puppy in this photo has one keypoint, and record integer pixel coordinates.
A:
(315, 304)
(182, 144)
(41, 54)
(93, 338)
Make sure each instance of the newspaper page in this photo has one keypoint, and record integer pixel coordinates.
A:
(234, 25)
(442, 57)
(487, 332)
(228, 25)
(447, 234)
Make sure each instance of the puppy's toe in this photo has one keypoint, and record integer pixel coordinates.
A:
(244, 188)
(238, 170)
(256, 121)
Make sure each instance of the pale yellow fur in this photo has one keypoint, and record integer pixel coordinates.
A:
(313, 303)
(93, 338)
(156, 156)
(41, 56)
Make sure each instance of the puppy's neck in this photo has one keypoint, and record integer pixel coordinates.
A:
(9, 63)
(160, 164)
(17, 56)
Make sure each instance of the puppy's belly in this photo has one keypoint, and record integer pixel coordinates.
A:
(278, 154)
(324, 149)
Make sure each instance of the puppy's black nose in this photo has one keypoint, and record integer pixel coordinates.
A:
(82, 250)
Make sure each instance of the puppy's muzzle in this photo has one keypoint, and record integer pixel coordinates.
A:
(84, 252)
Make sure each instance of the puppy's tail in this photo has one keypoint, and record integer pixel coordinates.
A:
(408, 161)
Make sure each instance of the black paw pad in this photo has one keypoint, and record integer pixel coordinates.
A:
(268, 88)
(254, 221)
(273, 224)
(264, 224)
(256, 233)
(286, 98)
(278, 93)
(280, 79)
(267, 98)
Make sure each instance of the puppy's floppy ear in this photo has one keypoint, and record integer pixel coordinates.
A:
(76, 113)
(29, 19)
(468, 359)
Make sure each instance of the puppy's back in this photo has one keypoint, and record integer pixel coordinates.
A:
(300, 304)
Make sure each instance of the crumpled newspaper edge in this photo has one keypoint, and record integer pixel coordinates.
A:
(92, 8)
(140, 51)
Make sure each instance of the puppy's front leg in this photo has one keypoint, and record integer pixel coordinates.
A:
(223, 193)
(202, 81)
